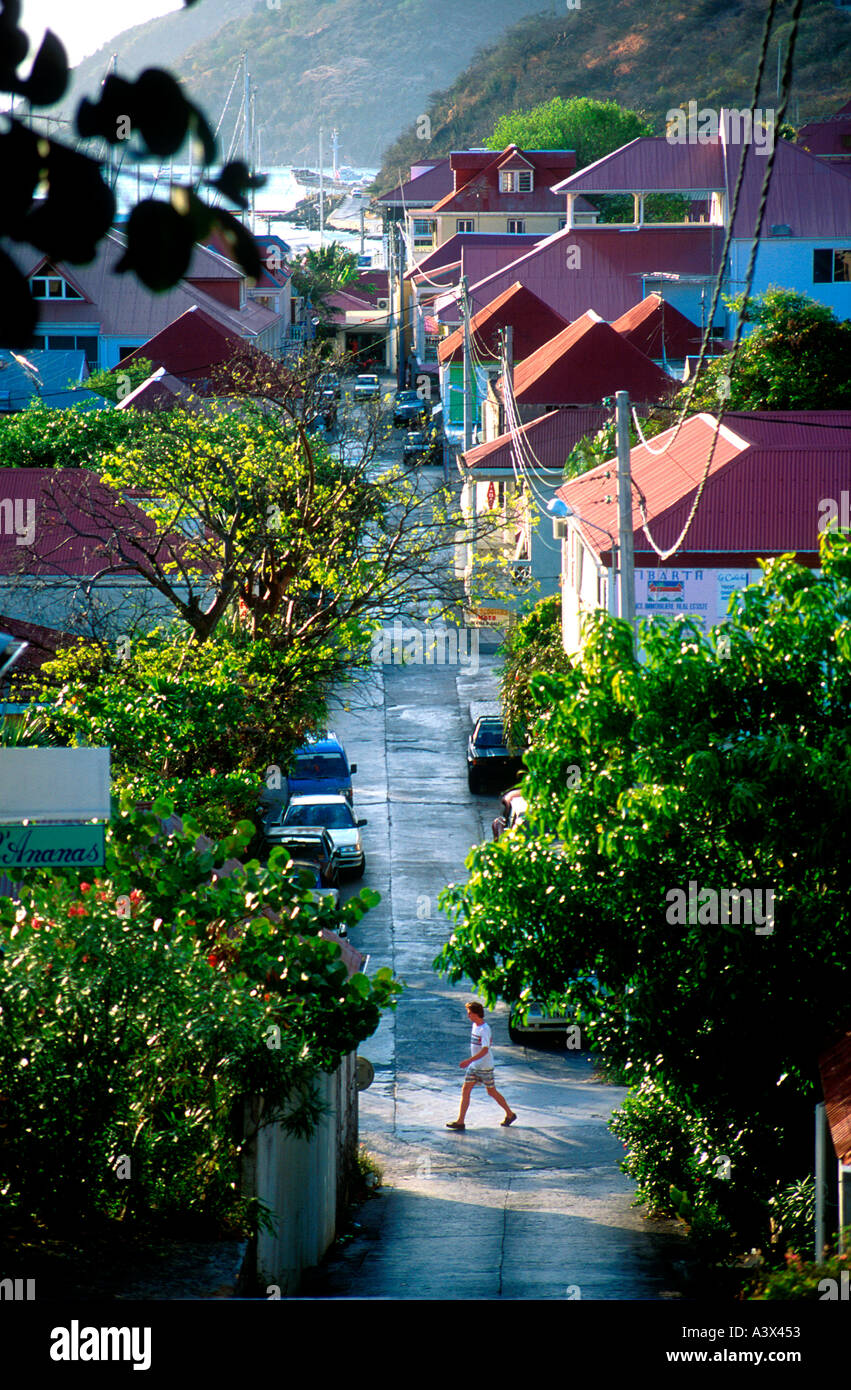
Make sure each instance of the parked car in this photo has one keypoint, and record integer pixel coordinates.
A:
(415, 443)
(310, 843)
(329, 385)
(306, 873)
(320, 767)
(488, 755)
(407, 406)
(512, 812)
(538, 1023)
(424, 444)
(367, 387)
(334, 815)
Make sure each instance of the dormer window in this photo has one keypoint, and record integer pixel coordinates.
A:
(515, 181)
(50, 285)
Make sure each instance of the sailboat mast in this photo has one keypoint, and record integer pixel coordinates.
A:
(321, 192)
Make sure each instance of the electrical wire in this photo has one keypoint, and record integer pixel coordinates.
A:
(665, 554)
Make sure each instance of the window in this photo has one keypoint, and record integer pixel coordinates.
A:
(422, 230)
(49, 285)
(70, 342)
(464, 224)
(516, 225)
(515, 181)
(830, 266)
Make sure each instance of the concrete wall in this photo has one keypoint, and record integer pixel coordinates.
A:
(304, 1182)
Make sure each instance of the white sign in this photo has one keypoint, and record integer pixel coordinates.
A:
(702, 594)
(54, 784)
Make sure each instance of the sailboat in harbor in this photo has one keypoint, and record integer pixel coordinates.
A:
(341, 180)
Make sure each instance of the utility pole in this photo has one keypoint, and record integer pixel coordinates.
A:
(468, 394)
(468, 433)
(626, 566)
(509, 372)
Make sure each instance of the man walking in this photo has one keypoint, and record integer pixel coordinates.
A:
(479, 1068)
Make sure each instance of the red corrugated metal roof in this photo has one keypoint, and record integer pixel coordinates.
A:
(423, 190)
(43, 643)
(76, 519)
(651, 164)
(477, 182)
(473, 254)
(793, 429)
(829, 136)
(191, 346)
(835, 1069)
(585, 362)
(612, 261)
(533, 321)
(123, 307)
(550, 439)
(806, 194)
(758, 499)
(658, 329)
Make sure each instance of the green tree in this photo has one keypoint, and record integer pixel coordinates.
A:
(142, 1006)
(591, 128)
(797, 357)
(199, 723)
(723, 763)
(251, 512)
(118, 382)
(41, 437)
(533, 646)
(323, 270)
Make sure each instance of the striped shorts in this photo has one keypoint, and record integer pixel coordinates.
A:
(484, 1075)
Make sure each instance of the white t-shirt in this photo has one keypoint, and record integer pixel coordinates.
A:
(481, 1037)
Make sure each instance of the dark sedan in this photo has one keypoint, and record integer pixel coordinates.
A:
(408, 407)
(488, 755)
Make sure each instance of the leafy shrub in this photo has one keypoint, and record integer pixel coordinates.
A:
(802, 1279)
(140, 1010)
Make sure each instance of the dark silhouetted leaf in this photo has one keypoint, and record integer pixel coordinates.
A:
(200, 128)
(78, 210)
(159, 244)
(101, 118)
(235, 180)
(162, 111)
(49, 73)
(20, 162)
(18, 316)
(244, 249)
(14, 46)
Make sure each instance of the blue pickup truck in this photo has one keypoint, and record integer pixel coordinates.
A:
(320, 767)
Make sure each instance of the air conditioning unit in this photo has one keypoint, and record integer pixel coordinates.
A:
(382, 303)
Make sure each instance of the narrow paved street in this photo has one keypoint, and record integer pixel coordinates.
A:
(542, 1204)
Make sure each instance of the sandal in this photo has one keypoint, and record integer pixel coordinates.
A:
(509, 1121)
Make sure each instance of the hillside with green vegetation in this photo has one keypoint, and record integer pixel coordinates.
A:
(650, 58)
(367, 67)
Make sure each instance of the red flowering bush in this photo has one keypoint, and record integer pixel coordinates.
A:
(139, 1036)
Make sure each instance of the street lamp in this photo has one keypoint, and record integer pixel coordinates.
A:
(10, 650)
(560, 511)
